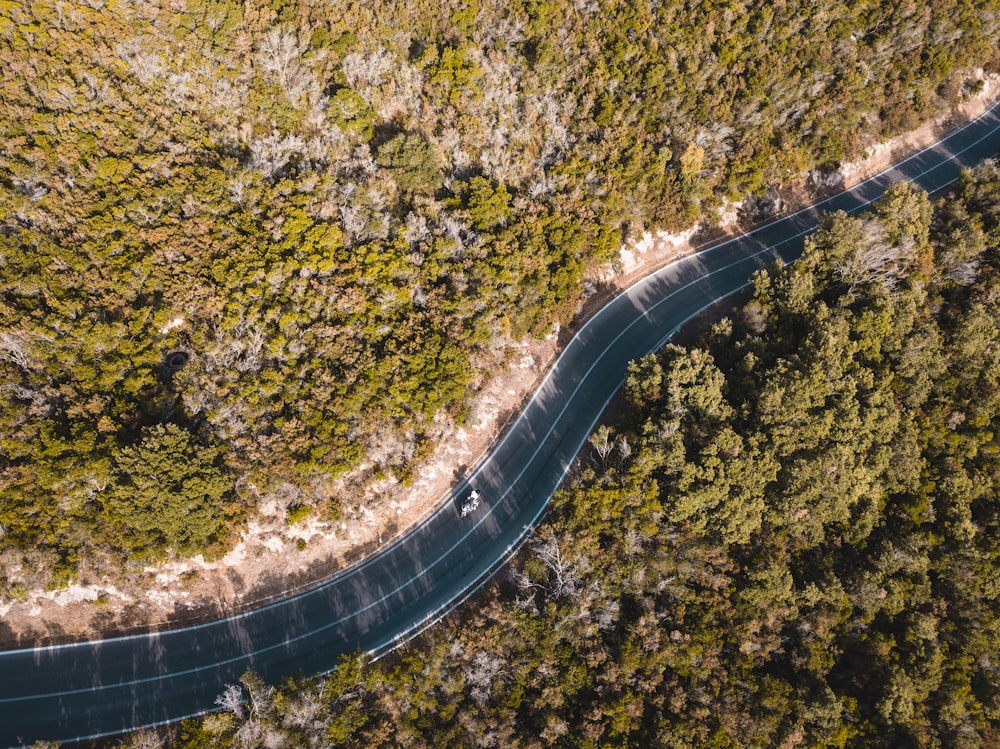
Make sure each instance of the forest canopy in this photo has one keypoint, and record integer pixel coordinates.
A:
(283, 241)
(789, 538)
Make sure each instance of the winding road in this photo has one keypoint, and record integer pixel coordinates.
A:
(105, 687)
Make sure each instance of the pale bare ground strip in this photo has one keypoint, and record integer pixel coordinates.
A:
(268, 562)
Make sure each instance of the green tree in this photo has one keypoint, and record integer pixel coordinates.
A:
(487, 206)
(166, 494)
(413, 163)
(351, 113)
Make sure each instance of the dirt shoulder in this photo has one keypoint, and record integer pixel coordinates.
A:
(273, 559)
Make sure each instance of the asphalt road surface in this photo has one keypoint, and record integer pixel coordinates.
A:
(105, 687)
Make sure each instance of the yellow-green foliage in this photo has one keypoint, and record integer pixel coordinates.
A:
(790, 538)
(299, 231)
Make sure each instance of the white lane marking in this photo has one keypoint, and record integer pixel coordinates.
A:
(465, 593)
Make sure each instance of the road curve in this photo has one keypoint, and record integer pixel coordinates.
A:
(105, 687)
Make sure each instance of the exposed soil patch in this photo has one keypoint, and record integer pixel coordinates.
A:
(273, 558)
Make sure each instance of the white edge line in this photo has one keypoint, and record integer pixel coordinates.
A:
(423, 624)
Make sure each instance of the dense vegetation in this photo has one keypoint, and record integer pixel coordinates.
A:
(792, 538)
(269, 243)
